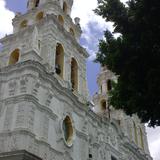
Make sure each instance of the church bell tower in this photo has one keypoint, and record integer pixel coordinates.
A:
(47, 34)
(42, 78)
(44, 109)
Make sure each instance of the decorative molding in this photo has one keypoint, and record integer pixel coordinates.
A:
(8, 118)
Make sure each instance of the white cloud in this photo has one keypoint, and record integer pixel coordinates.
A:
(6, 17)
(154, 142)
(84, 10)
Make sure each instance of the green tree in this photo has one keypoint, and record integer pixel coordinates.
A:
(134, 56)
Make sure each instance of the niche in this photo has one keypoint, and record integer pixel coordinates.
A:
(65, 8)
(59, 60)
(61, 20)
(74, 74)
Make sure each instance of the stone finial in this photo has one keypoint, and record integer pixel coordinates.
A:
(18, 14)
(77, 20)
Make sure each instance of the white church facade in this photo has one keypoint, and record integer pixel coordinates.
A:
(45, 113)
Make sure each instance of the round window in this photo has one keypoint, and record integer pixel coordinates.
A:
(68, 130)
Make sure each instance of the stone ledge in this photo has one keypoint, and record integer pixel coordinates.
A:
(18, 155)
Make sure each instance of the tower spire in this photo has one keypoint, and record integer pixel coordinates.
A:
(104, 81)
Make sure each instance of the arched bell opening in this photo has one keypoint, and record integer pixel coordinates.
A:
(74, 74)
(72, 31)
(39, 16)
(14, 57)
(59, 60)
(36, 3)
(61, 20)
(103, 105)
(65, 7)
(24, 24)
(109, 85)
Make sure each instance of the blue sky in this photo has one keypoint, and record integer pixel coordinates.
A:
(93, 27)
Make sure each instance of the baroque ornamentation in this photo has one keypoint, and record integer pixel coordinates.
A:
(113, 138)
(23, 84)
(35, 88)
(8, 118)
(12, 87)
(49, 98)
(20, 120)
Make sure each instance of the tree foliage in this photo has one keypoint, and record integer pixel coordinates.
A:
(134, 56)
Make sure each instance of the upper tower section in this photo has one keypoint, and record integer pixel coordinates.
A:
(39, 9)
(104, 81)
(47, 34)
(66, 5)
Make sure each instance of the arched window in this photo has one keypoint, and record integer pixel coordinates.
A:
(39, 16)
(36, 3)
(135, 133)
(61, 20)
(103, 105)
(65, 8)
(74, 74)
(14, 57)
(109, 85)
(72, 31)
(68, 130)
(59, 60)
(24, 24)
(141, 138)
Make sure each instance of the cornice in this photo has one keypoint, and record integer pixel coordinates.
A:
(29, 98)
